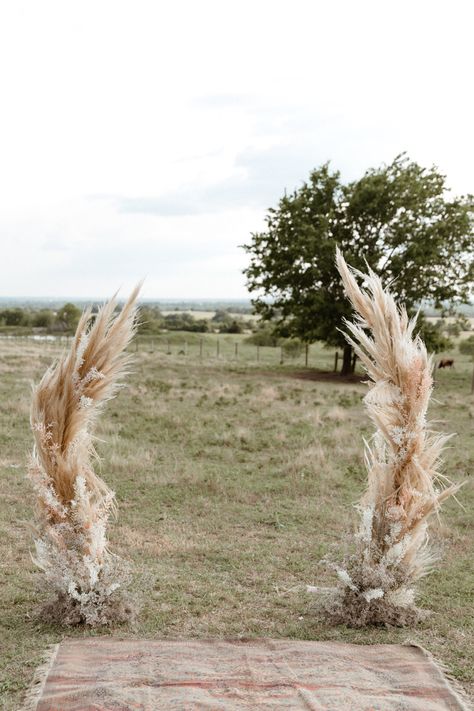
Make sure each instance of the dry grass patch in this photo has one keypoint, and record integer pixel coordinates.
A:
(223, 539)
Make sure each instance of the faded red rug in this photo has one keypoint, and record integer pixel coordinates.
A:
(105, 674)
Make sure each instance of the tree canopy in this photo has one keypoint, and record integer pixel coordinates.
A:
(399, 219)
(68, 316)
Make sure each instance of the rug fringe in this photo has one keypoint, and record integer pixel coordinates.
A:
(454, 684)
(35, 691)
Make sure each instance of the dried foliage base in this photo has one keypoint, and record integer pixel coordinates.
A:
(71, 550)
(78, 600)
(374, 588)
(64, 610)
(348, 607)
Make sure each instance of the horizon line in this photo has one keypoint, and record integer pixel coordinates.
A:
(147, 298)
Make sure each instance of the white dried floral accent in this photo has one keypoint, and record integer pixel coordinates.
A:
(401, 455)
(92, 374)
(80, 489)
(346, 579)
(401, 597)
(83, 342)
(81, 440)
(394, 533)
(396, 553)
(395, 513)
(94, 569)
(38, 427)
(373, 594)
(398, 434)
(44, 490)
(398, 397)
(86, 402)
(72, 589)
(366, 523)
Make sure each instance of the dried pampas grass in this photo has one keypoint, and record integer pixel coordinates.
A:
(377, 581)
(73, 504)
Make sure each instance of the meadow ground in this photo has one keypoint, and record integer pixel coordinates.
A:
(233, 480)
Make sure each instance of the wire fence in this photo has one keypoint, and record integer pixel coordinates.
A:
(212, 347)
(220, 348)
(233, 350)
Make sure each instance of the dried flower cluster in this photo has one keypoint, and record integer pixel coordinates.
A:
(73, 503)
(377, 580)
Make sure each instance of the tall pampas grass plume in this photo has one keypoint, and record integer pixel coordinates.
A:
(378, 578)
(73, 504)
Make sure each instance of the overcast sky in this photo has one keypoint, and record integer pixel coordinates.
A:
(147, 139)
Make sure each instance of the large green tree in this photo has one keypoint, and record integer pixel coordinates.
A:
(399, 218)
(68, 317)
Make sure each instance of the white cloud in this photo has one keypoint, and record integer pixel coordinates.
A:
(90, 249)
(134, 130)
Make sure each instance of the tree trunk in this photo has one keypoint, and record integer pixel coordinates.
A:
(346, 360)
(354, 361)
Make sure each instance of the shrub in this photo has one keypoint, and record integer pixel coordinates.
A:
(466, 347)
(15, 317)
(292, 347)
(185, 322)
(43, 318)
(264, 336)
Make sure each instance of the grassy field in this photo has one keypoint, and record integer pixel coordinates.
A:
(199, 347)
(233, 480)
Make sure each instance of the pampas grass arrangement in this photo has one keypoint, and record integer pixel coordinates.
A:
(73, 504)
(377, 579)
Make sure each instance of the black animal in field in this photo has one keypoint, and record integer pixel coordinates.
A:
(446, 363)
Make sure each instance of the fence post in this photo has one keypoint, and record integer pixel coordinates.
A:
(336, 358)
(258, 354)
(152, 345)
(236, 351)
(281, 355)
(306, 354)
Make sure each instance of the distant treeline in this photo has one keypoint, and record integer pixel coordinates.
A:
(239, 306)
(16, 320)
(151, 320)
(62, 320)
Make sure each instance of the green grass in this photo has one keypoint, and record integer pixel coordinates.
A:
(200, 348)
(233, 481)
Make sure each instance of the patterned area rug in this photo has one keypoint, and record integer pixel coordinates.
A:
(105, 674)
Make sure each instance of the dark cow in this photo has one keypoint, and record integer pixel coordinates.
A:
(446, 363)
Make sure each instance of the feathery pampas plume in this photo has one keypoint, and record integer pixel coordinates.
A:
(73, 504)
(377, 581)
